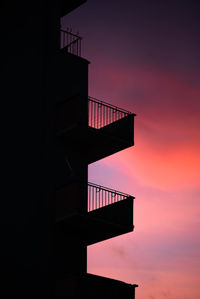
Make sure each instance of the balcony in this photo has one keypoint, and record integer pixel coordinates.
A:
(98, 128)
(93, 286)
(70, 42)
(102, 114)
(99, 196)
(72, 68)
(109, 213)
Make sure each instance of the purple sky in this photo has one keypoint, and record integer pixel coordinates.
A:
(145, 57)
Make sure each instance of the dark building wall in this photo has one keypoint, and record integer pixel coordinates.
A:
(73, 74)
(71, 166)
(29, 46)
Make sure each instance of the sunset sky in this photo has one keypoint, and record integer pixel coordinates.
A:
(145, 57)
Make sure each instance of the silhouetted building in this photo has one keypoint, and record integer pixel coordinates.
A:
(87, 130)
(52, 131)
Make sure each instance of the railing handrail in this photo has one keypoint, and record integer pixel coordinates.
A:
(99, 196)
(108, 105)
(109, 190)
(70, 41)
(101, 114)
(73, 34)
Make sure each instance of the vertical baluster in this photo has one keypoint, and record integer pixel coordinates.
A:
(92, 197)
(90, 205)
(97, 115)
(95, 125)
(107, 115)
(101, 116)
(104, 115)
(92, 113)
(96, 198)
(99, 198)
(96, 119)
(112, 115)
(88, 112)
(101, 124)
(89, 199)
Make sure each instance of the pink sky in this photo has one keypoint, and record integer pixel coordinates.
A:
(162, 255)
(145, 58)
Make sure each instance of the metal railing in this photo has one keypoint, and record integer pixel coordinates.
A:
(99, 196)
(70, 41)
(101, 114)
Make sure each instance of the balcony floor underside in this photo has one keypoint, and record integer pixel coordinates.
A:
(100, 224)
(93, 286)
(95, 144)
(91, 229)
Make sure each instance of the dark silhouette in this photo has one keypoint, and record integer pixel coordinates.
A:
(87, 131)
(46, 228)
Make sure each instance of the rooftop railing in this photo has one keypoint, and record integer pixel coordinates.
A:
(101, 114)
(99, 196)
(70, 41)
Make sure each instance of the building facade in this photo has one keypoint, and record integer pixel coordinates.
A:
(52, 130)
(87, 130)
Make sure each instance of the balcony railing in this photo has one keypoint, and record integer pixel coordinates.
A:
(101, 114)
(99, 196)
(70, 41)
